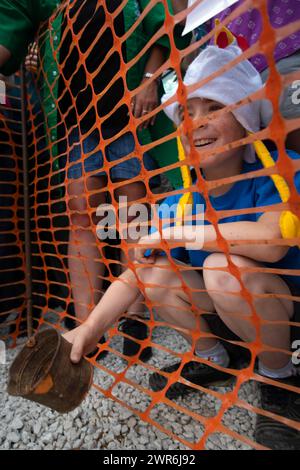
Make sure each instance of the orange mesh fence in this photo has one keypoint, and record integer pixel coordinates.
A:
(12, 270)
(81, 101)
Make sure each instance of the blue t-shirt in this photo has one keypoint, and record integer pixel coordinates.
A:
(248, 193)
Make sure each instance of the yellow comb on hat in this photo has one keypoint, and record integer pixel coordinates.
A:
(224, 37)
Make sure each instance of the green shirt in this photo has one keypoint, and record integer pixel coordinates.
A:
(20, 20)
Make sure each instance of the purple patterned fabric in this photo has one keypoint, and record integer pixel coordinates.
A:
(249, 26)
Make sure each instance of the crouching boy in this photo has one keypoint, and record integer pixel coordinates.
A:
(228, 273)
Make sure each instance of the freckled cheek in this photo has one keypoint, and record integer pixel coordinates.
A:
(231, 129)
(227, 134)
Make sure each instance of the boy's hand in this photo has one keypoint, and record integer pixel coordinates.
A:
(148, 252)
(84, 339)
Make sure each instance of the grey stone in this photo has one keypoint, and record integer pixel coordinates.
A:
(68, 424)
(73, 434)
(144, 440)
(47, 438)
(131, 422)
(8, 417)
(3, 433)
(37, 428)
(78, 423)
(157, 444)
(109, 437)
(126, 414)
(59, 429)
(113, 446)
(25, 437)
(13, 436)
(116, 430)
(60, 442)
(17, 424)
(54, 426)
(78, 443)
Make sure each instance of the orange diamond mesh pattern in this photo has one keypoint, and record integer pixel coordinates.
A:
(53, 215)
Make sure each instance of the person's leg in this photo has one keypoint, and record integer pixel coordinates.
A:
(167, 288)
(268, 293)
(133, 192)
(84, 256)
(179, 298)
(274, 310)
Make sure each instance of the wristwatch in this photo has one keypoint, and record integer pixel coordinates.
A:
(150, 75)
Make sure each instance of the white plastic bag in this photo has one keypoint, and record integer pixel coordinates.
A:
(206, 10)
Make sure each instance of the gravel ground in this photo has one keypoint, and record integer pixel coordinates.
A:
(102, 423)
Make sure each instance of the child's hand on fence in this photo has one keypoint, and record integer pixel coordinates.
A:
(148, 248)
(84, 340)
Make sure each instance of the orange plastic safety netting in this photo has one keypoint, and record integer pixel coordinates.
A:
(12, 216)
(84, 100)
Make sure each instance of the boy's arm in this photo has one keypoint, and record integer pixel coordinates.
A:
(115, 302)
(264, 230)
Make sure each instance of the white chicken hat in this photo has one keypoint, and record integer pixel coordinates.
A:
(228, 88)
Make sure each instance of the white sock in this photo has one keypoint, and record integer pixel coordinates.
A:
(284, 372)
(216, 354)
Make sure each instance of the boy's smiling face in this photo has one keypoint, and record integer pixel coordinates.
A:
(219, 131)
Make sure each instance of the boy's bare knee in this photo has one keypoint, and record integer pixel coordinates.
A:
(215, 260)
(216, 277)
(256, 283)
(157, 278)
(158, 274)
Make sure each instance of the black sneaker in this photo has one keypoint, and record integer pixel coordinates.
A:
(195, 372)
(274, 434)
(137, 330)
